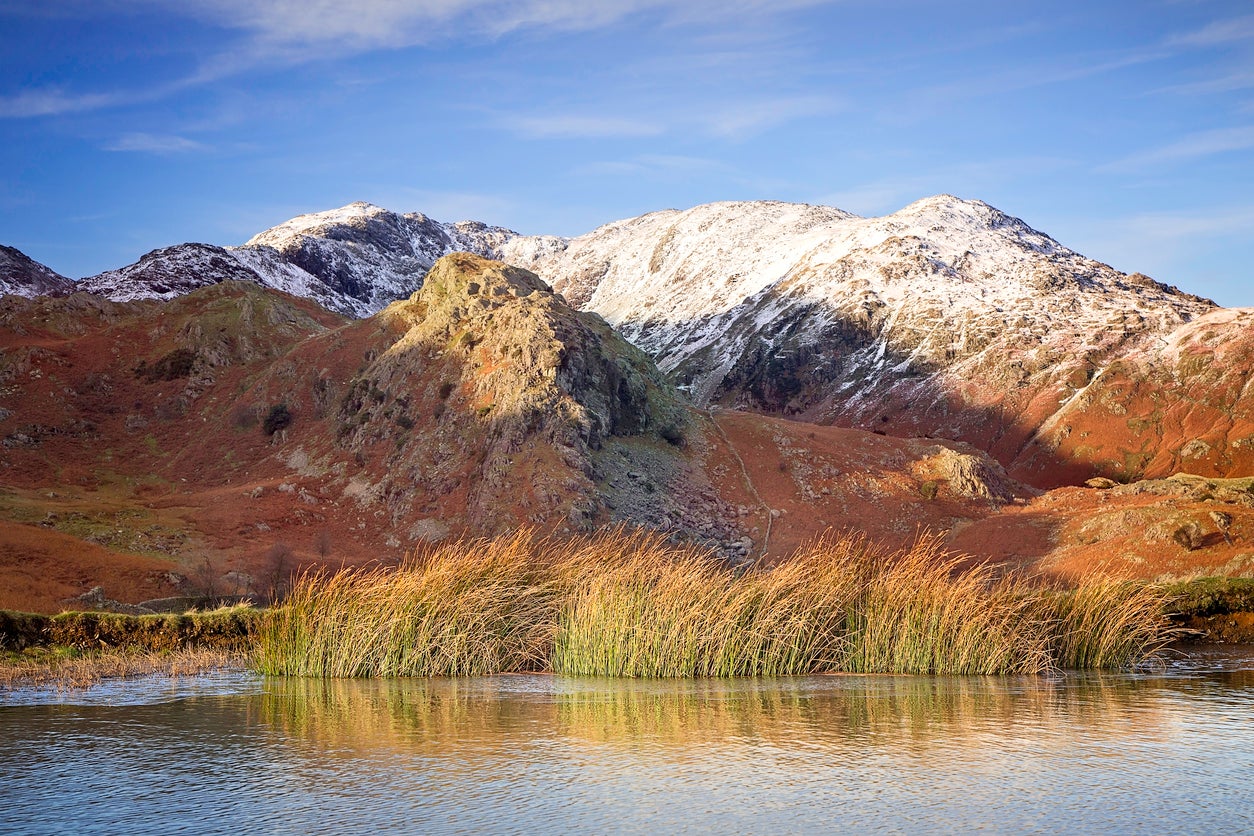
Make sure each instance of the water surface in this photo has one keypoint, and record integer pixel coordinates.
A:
(1171, 750)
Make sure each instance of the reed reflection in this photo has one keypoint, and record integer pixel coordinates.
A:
(484, 714)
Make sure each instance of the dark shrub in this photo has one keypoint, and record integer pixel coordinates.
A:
(176, 364)
(279, 418)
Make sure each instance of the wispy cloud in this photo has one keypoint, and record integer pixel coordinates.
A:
(387, 23)
(155, 144)
(54, 101)
(668, 165)
(578, 126)
(742, 119)
(292, 32)
(1223, 84)
(1219, 32)
(1040, 76)
(1186, 225)
(1202, 144)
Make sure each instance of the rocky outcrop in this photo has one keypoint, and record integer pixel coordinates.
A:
(508, 393)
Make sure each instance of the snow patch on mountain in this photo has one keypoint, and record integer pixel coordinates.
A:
(367, 256)
(21, 275)
(354, 260)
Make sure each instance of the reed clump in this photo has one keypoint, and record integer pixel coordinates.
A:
(626, 603)
(462, 609)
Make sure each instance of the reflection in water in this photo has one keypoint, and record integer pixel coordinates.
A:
(823, 711)
(1168, 751)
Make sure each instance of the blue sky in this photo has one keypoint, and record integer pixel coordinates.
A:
(1123, 129)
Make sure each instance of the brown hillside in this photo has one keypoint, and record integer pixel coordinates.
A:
(143, 451)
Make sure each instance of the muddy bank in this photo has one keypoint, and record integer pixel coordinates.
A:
(1214, 610)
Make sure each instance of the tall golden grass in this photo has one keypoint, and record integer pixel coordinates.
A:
(623, 603)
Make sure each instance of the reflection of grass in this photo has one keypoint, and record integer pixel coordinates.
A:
(622, 604)
(69, 667)
(427, 713)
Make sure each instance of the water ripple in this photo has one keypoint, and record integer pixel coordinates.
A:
(1168, 749)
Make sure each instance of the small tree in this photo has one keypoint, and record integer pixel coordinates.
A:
(276, 571)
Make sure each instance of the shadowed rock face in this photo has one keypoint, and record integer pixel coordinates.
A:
(370, 255)
(23, 276)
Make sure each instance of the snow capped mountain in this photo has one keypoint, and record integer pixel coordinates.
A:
(353, 260)
(945, 318)
(169, 272)
(736, 298)
(23, 276)
(366, 255)
(948, 317)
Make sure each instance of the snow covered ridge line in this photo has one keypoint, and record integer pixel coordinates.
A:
(358, 258)
(354, 260)
(708, 290)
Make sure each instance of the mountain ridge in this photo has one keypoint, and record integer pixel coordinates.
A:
(948, 317)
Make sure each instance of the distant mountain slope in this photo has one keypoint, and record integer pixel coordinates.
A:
(369, 255)
(21, 275)
(170, 272)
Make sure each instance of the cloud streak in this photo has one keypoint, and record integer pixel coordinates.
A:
(1219, 32)
(54, 101)
(1194, 146)
(373, 24)
(579, 126)
(155, 144)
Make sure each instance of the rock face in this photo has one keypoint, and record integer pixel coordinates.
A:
(1179, 402)
(371, 255)
(21, 275)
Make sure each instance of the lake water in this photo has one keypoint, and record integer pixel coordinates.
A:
(1169, 751)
